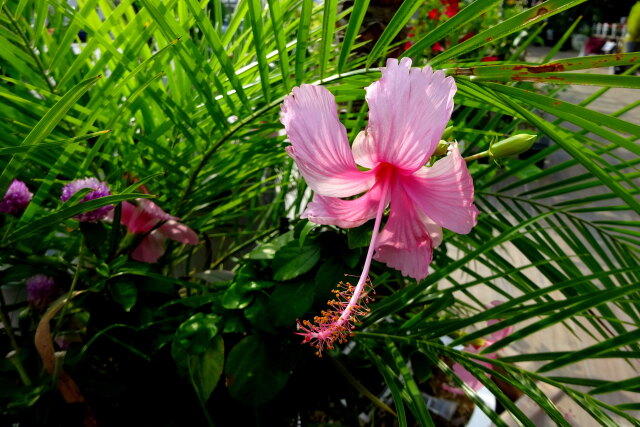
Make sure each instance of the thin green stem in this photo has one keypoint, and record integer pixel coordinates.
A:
(17, 363)
(76, 276)
(477, 156)
(361, 388)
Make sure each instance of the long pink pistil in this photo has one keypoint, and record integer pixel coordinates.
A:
(337, 322)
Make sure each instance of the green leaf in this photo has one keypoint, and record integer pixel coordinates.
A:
(255, 373)
(44, 127)
(194, 337)
(67, 212)
(417, 404)
(124, 292)
(292, 260)
(269, 249)
(328, 28)
(236, 297)
(303, 39)
(205, 369)
(255, 14)
(359, 237)
(290, 301)
(353, 27)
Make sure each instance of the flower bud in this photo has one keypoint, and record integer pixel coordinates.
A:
(441, 149)
(512, 146)
(478, 343)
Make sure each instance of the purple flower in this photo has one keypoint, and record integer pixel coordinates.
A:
(16, 198)
(41, 291)
(100, 189)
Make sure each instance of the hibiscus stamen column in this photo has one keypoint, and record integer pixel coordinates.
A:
(336, 323)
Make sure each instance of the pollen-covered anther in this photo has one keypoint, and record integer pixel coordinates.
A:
(336, 324)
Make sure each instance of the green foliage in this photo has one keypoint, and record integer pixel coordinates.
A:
(178, 101)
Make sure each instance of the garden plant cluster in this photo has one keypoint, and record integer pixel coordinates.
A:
(310, 213)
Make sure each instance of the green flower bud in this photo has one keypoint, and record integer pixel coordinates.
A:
(441, 149)
(512, 146)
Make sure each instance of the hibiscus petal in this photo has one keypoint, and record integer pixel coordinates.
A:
(406, 243)
(364, 150)
(179, 232)
(344, 213)
(444, 192)
(142, 217)
(319, 143)
(408, 111)
(150, 249)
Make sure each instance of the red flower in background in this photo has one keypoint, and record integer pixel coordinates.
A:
(490, 59)
(452, 8)
(434, 14)
(467, 36)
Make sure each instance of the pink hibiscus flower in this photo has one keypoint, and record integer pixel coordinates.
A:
(465, 375)
(142, 218)
(408, 111)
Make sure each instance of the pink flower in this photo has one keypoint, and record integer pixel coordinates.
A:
(408, 111)
(142, 217)
(465, 375)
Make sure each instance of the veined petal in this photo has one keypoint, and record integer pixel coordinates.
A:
(179, 232)
(344, 213)
(319, 143)
(444, 192)
(408, 111)
(406, 243)
(364, 150)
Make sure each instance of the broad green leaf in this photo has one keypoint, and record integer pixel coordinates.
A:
(255, 373)
(205, 368)
(292, 260)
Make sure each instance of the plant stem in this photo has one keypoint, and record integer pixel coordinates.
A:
(17, 363)
(361, 388)
(477, 156)
(76, 276)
